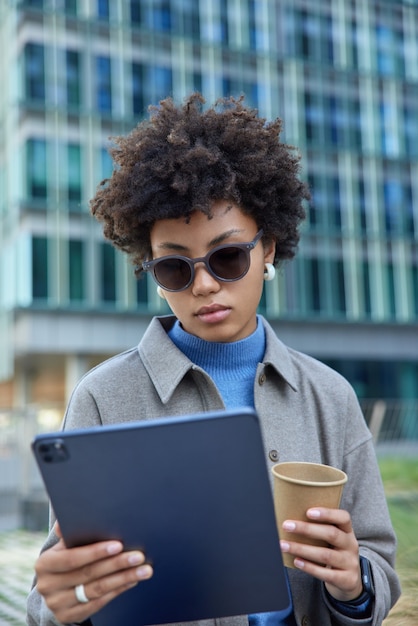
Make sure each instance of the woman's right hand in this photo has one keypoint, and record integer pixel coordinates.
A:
(103, 568)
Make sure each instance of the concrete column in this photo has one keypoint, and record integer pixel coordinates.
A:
(76, 365)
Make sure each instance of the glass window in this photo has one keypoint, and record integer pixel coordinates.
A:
(135, 11)
(334, 202)
(37, 4)
(159, 80)
(39, 268)
(312, 285)
(325, 205)
(36, 169)
(252, 24)
(410, 123)
(354, 43)
(337, 290)
(343, 122)
(76, 270)
(362, 204)
(191, 19)
(336, 120)
(314, 122)
(312, 34)
(373, 379)
(197, 82)
(388, 128)
(73, 77)
(409, 225)
(224, 26)
(138, 105)
(106, 164)
(142, 290)
(227, 89)
(393, 195)
(316, 199)
(309, 35)
(103, 84)
(74, 173)
(160, 18)
(390, 290)
(389, 49)
(70, 7)
(237, 86)
(108, 273)
(288, 19)
(254, 93)
(103, 9)
(327, 39)
(367, 302)
(34, 71)
(414, 270)
(355, 134)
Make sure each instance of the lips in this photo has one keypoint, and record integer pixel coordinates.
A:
(213, 313)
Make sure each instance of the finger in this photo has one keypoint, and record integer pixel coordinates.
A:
(106, 567)
(339, 536)
(319, 555)
(114, 582)
(60, 559)
(338, 517)
(325, 533)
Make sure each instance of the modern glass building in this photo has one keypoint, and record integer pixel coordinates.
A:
(342, 74)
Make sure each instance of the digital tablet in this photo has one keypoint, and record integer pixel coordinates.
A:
(193, 493)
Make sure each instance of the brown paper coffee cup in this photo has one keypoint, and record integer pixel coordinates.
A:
(300, 486)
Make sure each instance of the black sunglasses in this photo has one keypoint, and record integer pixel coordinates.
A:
(227, 263)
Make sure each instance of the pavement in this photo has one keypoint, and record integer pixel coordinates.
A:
(18, 552)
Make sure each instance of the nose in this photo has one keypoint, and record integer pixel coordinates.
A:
(204, 282)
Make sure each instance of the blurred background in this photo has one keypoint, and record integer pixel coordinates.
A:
(343, 76)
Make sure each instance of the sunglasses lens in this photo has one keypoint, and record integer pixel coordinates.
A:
(229, 263)
(172, 274)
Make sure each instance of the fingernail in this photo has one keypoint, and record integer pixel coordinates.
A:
(299, 563)
(314, 513)
(114, 548)
(285, 546)
(135, 559)
(289, 526)
(144, 572)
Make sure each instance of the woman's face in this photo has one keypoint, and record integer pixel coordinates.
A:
(210, 308)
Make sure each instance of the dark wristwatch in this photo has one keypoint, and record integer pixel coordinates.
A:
(367, 576)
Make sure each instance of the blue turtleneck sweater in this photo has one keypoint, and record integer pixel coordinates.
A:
(232, 366)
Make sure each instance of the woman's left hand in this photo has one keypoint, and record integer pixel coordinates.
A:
(337, 565)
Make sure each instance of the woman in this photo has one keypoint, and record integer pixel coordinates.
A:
(209, 201)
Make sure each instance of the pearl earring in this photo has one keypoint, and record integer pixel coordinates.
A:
(269, 272)
(160, 292)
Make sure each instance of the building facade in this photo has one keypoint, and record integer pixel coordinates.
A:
(343, 75)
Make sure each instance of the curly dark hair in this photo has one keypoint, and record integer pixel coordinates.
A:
(183, 158)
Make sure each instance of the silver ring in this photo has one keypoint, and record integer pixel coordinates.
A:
(80, 594)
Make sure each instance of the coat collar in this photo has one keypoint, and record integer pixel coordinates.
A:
(279, 357)
(167, 365)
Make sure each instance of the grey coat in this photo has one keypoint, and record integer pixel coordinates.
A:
(308, 412)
